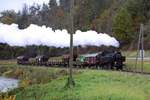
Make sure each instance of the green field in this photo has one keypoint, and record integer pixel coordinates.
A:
(131, 65)
(90, 84)
(134, 53)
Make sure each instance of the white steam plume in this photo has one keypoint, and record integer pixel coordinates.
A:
(36, 35)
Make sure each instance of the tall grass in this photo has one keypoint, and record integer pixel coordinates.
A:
(93, 85)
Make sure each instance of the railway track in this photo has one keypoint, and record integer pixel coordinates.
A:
(136, 72)
(60, 65)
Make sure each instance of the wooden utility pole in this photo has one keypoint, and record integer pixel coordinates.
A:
(70, 81)
(140, 48)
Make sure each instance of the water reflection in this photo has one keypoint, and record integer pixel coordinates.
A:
(7, 84)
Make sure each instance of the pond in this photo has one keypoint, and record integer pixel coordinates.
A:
(7, 84)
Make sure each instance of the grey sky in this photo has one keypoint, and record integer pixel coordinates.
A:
(18, 4)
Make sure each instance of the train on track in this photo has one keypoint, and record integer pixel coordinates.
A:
(103, 60)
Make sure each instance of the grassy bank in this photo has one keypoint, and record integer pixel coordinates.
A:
(41, 83)
(28, 74)
(92, 85)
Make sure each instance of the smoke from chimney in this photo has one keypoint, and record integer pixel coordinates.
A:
(36, 35)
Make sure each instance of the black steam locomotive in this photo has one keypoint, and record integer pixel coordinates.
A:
(110, 60)
(103, 60)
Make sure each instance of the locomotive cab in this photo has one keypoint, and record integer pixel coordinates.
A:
(119, 59)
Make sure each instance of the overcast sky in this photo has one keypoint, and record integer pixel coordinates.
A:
(18, 4)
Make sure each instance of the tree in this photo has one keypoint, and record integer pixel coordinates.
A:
(34, 17)
(87, 11)
(44, 15)
(103, 21)
(147, 35)
(52, 4)
(23, 20)
(8, 17)
(123, 26)
(65, 4)
(7, 20)
(139, 11)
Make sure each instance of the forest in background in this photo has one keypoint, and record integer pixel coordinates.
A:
(118, 18)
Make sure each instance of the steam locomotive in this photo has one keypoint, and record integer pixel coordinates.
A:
(103, 60)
